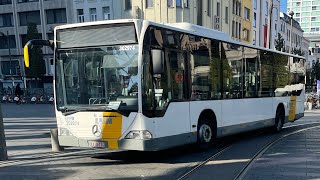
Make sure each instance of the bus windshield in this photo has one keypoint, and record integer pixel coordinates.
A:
(97, 76)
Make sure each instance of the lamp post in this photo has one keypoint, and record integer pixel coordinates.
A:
(8, 44)
(3, 146)
(291, 13)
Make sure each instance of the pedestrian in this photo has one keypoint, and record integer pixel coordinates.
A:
(18, 92)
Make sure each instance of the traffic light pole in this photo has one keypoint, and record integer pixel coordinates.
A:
(3, 146)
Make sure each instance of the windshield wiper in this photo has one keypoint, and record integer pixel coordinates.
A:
(69, 112)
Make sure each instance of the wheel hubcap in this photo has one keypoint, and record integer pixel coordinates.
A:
(205, 133)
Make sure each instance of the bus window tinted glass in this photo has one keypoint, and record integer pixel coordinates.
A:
(232, 63)
(266, 75)
(251, 72)
(205, 69)
(281, 75)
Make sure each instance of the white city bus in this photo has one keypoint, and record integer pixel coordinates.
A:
(140, 85)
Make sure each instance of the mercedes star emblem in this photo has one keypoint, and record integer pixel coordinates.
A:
(96, 130)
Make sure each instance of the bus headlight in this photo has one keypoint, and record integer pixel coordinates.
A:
(64, 132)
(139, 135)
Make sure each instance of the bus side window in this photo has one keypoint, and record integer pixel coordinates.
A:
(251, 72)
(232, 61)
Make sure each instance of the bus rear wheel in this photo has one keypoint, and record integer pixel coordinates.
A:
(206, 133)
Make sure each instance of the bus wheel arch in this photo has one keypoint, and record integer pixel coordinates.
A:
(279, 118)
(206, 128)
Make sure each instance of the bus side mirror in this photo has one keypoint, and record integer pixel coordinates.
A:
(157, 56)
(30, 44)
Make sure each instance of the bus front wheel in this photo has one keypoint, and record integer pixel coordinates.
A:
(206, 132)
(279, 120)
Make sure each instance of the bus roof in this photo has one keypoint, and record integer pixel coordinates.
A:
(183, 27)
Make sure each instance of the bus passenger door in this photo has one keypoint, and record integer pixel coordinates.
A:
(175, 91)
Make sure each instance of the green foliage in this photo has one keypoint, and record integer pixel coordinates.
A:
(297, 51)
(280, 44)
(37, 65)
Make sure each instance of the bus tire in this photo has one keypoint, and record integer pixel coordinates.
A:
(206, 131)
(279, 120)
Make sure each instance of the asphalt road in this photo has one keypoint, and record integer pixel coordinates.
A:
(30, 156)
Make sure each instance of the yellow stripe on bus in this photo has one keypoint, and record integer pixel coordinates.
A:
(292, 108)
(113, 144)
(112, 128)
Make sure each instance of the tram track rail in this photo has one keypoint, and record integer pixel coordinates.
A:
(256, 156)
(202, 163)
(249, 165)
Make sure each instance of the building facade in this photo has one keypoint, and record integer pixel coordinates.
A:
(14, 18)
(307, 13)
(265, 12)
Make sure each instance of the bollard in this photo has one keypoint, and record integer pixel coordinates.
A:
(54, 141)
(3, 146)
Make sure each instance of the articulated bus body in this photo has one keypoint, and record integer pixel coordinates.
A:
(139, 85)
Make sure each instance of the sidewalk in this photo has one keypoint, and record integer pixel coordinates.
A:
(295, 157)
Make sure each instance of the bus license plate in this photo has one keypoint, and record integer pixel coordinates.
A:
(96, 144)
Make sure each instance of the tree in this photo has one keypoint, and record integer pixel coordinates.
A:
(280, 44)
(37, 65)
(297, 51)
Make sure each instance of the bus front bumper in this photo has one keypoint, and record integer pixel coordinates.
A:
(131, 144)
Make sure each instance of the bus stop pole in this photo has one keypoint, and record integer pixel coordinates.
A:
(3, 146)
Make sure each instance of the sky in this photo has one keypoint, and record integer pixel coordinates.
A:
(283, 6)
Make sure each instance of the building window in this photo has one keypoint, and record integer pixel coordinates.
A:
(297, 14)
(29, 17)
(23, 1)
(267, 8)
(128, 4)
(170, 3)
(186, 3)
(93, 14)
(80, 15)
(3, 2)
(247, 13)
(254, 37)
(149, 3)
(255, 4)
(227, 15)
(313, 18)
(178, 3)
(50, 36)
(254, 19)
(106, 13)
(4, 42)
(314, 7)
(246, 34)
(13, 66)
(298, 3)
(239, 31)
(6, 20)
(209, 7)
(233, 27)
(234, 7)
(218, 9)
(56, 16)
(24, 39)
(239, 10)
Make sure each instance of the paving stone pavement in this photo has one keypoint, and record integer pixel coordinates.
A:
(30, 156)
(296, 157)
